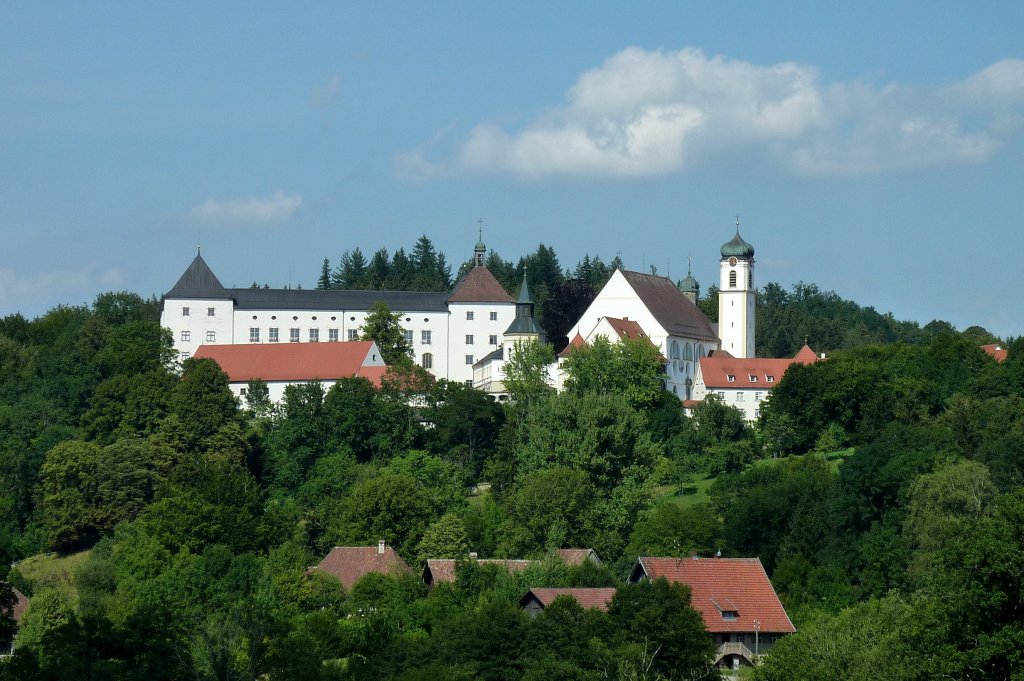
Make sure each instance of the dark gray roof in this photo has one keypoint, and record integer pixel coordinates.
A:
(198, 281)
(674, 311)
(494, 354)
(313, 299)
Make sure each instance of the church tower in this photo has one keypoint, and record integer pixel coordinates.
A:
(736, 296)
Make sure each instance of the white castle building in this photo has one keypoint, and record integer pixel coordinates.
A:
(448, 332)
(469, 334)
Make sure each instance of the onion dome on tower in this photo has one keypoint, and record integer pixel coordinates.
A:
(736, 247)
(689, 286)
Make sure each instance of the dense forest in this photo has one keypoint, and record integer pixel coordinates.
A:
(164, 531)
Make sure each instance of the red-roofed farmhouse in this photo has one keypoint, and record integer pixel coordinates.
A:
(350, 563)
(536, 599)
(735, 598)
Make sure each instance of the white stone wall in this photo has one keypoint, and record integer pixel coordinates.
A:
(191, 330)
(481, 327)
(736, 308)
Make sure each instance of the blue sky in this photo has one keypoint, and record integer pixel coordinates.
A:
(874, 149)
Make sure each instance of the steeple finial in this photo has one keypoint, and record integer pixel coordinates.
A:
(737, 223)
(689, 266)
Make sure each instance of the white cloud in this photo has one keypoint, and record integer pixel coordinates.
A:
(649, 113)
(253, 211)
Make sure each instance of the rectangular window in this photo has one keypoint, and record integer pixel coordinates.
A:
(353, 334)
(210, 311)
(254, 334)
(184, 311)
(408, 336)
(274, 334)
(469, 316)
(184, 356)
(186, 336)
(469, 339)
(721, 394)
(469, 359)
(769, 379)
(494, 316)
(493, 339)
(293, 335)
(757, 397)
(242, 392)
(211, 336)
(739, 396)
(332, 335)
(730, 378)
(425, 337)
(314, 335)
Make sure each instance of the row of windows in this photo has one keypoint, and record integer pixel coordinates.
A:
(676, 351)
(469, 316)
(187, 311)
(274, 335)
(751, 377)
(492, 339)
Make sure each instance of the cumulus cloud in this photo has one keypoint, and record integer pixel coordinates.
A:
(644, 113)
(252, 211)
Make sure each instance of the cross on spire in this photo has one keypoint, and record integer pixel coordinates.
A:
(737, 223)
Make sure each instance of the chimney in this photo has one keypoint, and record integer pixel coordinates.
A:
(380, 547)
(472, 555)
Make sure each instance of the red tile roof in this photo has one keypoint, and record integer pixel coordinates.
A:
(996, 351)
(576, 342)
(723, 584)
(716, 370)
(295, 361)
(349, 563)
(588, 598)
(479, 286)
(626, 328)
(577, 556)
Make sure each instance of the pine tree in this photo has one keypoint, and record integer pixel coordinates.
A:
(378, 270)
(324, 282)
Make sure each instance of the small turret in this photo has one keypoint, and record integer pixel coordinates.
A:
(689, 286)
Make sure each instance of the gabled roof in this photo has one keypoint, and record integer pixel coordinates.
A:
(198, 281)
(578, 556)
(996, 351)
(599, 598)
(440, 570)
(626, 328)
(349, 563)
(479, 286)
(674, 311)
(297, 361)
(576, 342)
(718, 585)
(717, 369)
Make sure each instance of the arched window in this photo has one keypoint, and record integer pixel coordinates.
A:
(689, 352)
(732, 279)
(674, 353)
(428, 360)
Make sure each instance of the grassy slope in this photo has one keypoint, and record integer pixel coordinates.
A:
(50, 569)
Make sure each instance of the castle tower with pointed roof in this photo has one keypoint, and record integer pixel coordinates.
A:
(736, 296)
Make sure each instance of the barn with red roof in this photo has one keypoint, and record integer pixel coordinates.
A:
(735, 598)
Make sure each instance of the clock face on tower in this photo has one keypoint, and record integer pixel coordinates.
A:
(732, 261)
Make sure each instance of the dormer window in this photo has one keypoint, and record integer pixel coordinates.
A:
(731, 378)
(730, 615)
(752, 377)
(769, 379)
